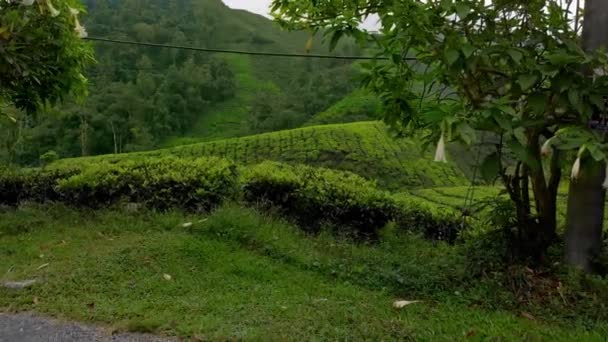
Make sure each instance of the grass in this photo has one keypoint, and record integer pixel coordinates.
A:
(236, 274)
(365, 148)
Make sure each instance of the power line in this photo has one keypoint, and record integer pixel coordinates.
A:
(237, 52)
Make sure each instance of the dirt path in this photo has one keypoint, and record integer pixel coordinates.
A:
(31, 328)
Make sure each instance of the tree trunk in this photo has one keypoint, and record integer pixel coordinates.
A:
(585, 217)
(115, 138)
(84, 136)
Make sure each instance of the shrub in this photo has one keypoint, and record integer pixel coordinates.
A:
(36, 185)
(160, 183)
(435, 222)
(49, 157)
(314, 196)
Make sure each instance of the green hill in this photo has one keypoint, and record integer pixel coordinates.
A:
(365, 148)
(360, 105)
(142, 97)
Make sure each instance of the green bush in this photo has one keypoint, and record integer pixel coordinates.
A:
(36, 185)
(49, 157)
(314, 196)
(161, 183)
(436, 222)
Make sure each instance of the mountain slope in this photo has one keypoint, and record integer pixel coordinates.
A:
(365, 148)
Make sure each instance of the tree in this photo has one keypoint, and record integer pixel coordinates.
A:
(42, 55)
(513, 69)
(587, 195)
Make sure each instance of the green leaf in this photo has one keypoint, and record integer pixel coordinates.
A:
(451, 56)
(467, 50)
(527, 81)
(573, 97)
(522, 154)
(502, 121)
(490, 167)
(462, 10)
(537, 103)
(596, 152)
(515, 55)
(466, 133)
(335, 38)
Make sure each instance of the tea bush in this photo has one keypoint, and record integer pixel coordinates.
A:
(159, 183)
(313, 196)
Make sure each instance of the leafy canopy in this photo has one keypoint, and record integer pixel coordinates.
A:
(42, 55)
(514, 68)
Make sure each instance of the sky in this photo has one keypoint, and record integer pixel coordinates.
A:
(262, 7)
(256, 6)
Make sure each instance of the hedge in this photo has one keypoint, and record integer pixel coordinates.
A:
(312, 196)
(159, 183)
(315, 196)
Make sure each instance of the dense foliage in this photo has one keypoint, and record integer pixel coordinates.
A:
(42, 55)
(514, 69)
(313, 196)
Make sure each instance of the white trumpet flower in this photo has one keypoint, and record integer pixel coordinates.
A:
(440, 152)
(82, 32)
(52, 10)
(576, 169)
(547, 148)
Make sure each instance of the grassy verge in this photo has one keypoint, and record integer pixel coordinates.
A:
(239, 274)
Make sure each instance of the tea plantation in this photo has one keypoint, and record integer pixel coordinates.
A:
(365, 148)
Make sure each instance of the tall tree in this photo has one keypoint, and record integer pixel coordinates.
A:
(587, 195)
(509, 68)
(42, 55)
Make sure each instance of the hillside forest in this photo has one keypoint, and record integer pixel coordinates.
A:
(142, 98)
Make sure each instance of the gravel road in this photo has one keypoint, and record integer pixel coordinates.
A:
(30, 328)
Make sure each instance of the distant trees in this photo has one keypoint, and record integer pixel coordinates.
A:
(139, 96)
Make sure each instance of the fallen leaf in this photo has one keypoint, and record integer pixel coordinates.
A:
(19, 284)
(528, 316)
(43, 266)
(187, 224)
(471, 333)
(166, 276)
(399, 304)
(35, 301)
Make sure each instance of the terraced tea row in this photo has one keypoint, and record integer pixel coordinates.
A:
(365, 148)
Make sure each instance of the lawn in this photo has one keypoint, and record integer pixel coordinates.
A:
(238, 274)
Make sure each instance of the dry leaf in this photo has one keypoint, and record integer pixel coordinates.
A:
(528, 316)
(43, 266)
(399, 304)
(35, 301)
(166, 276)
(471, 333)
